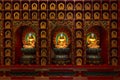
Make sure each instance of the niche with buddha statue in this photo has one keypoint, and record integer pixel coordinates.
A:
(52, 15)
(69, 15)
(16, 6)
(61, 15)
(34, 6)
(69, 6)
(8, 43)
(25, 6)
(27, 45)
(7, 6)
(8, 52)
(8, 61)
(61, 45)
(8, 34)
(78, 6)
(93, 49)
(29, 40)
(79, 52)
(52, 6)
(34, 15)
(43, 25)
(16, 15)
(43, 61)
(78, 61)
(43, 53)
(95, 45)
(43, 6)
(7, 15)
(25, 15)
(61, 6)
(7, 25)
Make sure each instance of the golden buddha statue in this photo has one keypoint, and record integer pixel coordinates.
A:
(93, 42)
(30, 43)
(62, 43)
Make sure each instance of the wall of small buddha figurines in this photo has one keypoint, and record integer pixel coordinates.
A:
(37, 14)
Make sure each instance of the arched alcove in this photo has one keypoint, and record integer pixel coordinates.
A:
(102, 36)
(57, 33)
(20, 33)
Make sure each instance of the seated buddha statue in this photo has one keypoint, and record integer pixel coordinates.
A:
(61, 42)
(30, 43)
(92, 42)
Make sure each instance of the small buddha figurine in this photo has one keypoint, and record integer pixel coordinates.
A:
(92, 42)
(61, 42)
(30, 43)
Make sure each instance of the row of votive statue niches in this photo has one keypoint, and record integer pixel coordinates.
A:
(8, 25)
(59, 15)
(59, 6)
(78, 25)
